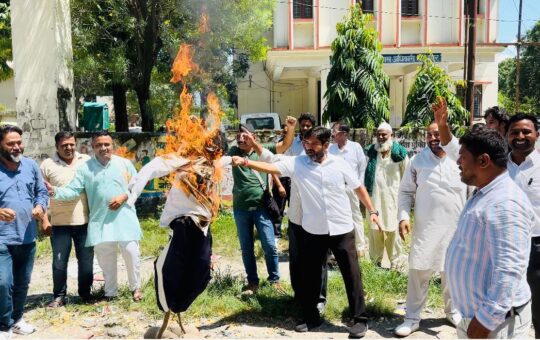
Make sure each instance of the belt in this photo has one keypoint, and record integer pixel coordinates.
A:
(516, 310)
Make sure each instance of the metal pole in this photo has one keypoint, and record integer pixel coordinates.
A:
(471, 57)
(518, 66)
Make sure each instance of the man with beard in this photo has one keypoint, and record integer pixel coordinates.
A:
(69, 221)
(249, 211)
(486, 262)
(112, 223)
(23, 198)
(524, 168)
(387, 161)
(353, 153)
(432, 183)
(322, 180)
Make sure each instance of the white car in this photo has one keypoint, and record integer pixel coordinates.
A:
(262, 121)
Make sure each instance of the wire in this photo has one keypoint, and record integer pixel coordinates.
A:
(419, 15)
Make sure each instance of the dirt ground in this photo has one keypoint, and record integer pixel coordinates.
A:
(112, 322)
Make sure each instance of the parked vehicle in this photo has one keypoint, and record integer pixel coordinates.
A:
(262, 121)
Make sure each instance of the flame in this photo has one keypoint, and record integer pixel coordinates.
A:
(123, 152)
(183, 64)
(192, 137)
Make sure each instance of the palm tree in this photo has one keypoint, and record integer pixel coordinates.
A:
(430, 83)
(356, 84)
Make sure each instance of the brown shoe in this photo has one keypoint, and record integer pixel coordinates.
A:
(250, 289)
(57, 302)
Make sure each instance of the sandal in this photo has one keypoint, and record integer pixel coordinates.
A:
(137, 295)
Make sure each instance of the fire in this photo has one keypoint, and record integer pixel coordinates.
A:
(192, 137)
(123, 152)
(183, 64)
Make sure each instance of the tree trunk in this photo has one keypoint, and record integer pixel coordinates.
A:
(143, 96)
(120, 107)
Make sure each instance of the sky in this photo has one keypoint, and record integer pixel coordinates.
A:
(508, 24)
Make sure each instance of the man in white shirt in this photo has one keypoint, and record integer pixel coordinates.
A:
(353, 153)
(387, 160)
(432, 183)
(322, 180)
(524, 168)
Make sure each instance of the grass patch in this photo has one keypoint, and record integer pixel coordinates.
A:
(222, 297)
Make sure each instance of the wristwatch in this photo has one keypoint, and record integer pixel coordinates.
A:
(374, 212)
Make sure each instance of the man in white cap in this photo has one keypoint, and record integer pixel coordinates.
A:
(387, 161)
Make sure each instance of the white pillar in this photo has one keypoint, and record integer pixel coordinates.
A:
(313, 96)
(41, 35)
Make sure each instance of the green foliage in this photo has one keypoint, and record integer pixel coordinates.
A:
(6, 53)
(357, 85)
(115, 43)
(529, 79)
(431, 82)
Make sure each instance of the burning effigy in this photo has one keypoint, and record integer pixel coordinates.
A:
(191, 158)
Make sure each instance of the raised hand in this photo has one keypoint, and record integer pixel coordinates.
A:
(237, 161)
(290, 122)
(440, 111)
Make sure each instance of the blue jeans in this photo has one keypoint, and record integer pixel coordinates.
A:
(16, 264)
(245, 220)
(61, 248)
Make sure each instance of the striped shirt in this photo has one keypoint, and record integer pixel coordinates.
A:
(486, 262)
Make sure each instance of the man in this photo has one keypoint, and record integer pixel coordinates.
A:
(306, 121)
(248, 210)
(322, 180)
(69, 221)
(524, 169)
(112, 223)
(487, 258)
(432, 183)
(387, 161)
(281, 191)
(496, 118)
(23, 198)
(182, 270)
(353, 153)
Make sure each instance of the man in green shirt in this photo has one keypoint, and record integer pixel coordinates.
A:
(249, 210)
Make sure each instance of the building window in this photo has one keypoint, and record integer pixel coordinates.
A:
(409, 8)
(466, 8)
(461, 93)
(367, 6)
(303, 9)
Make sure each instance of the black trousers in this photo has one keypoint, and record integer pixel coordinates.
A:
(295, 268)
(313, 251)
(533, 277)
(182, 271)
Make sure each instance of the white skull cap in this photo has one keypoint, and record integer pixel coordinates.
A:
(384, 126)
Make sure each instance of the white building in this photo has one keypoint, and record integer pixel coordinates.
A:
(293, 78)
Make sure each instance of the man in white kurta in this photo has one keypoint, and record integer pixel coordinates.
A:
(433, 184)
(353, 153)
(387, 161)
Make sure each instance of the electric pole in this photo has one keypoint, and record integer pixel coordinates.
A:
(518, 49)
(471, 56)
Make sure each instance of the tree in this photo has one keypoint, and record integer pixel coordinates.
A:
(529, 77)
(357, 85)
(5, 41)
(431, 82)
(126, 45)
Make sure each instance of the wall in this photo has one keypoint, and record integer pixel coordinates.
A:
(44, 85)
